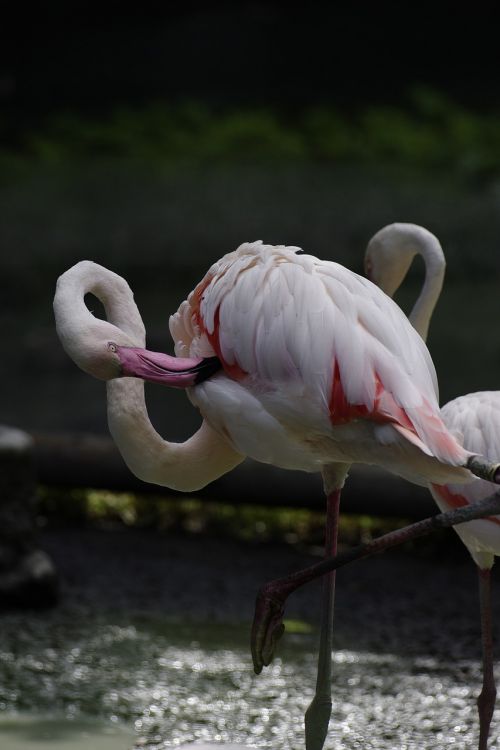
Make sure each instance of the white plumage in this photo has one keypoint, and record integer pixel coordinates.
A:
(473, 419)
(320, 369)
(287, 327)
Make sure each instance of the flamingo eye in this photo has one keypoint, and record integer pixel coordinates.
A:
(112, 347)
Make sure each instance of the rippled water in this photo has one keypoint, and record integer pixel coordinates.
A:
(165, 684)
(56, 732)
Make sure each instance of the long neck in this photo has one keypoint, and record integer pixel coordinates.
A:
(429, 248)
(83, 335)
(187, 466)
(183, 466)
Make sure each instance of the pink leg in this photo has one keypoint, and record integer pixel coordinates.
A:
(486, 699)
(318, 714)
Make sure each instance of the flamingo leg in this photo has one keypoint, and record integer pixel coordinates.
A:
(268, 626)
(318, 714)
(486, 699)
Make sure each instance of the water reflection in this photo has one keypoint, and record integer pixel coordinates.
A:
(169, 684)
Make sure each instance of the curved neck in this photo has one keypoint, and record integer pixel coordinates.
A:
(388, 257)
(80, 332)
(434, 262)
(184, 466)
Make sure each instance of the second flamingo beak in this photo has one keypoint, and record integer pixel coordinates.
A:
(156, 367)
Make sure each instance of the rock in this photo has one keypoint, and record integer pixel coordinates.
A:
(28, 577)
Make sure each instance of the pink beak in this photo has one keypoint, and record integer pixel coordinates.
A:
(156, 367)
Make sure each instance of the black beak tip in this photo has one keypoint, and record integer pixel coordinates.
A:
(207, 368)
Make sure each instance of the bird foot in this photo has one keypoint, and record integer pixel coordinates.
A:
(267, 627)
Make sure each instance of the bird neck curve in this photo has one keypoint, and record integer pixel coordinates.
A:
(183, 466)
(429, 248)
(388, 258)
(73, 317)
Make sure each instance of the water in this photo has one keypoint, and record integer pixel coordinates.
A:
(72, 680)
(27, 732)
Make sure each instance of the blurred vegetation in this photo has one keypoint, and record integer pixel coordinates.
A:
(158, 193)
(431, 133)
(254, 524)
(182, 515)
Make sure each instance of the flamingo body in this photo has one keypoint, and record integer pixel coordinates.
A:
(475, 420)
(319, 367)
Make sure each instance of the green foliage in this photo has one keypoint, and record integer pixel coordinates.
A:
(430, 133)
(248, 523)
(162, 134)
(186, 515)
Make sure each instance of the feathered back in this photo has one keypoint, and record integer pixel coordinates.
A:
(279, 318)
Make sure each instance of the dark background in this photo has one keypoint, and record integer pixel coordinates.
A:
(154, 142)
(70, 189)
(284, 54)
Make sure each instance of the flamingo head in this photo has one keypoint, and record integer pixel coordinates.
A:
(157, 367)
(107, 360)
(387, 260)
(114, 347)
(106, 352)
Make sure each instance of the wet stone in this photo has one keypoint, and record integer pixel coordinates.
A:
(28, 577)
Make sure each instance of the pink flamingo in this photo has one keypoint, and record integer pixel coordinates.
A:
(474, 419)
(319, 369)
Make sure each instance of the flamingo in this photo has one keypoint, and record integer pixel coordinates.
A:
(318, 368)
(474, 418)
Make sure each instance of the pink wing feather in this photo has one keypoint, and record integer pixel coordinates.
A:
(289, 323)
